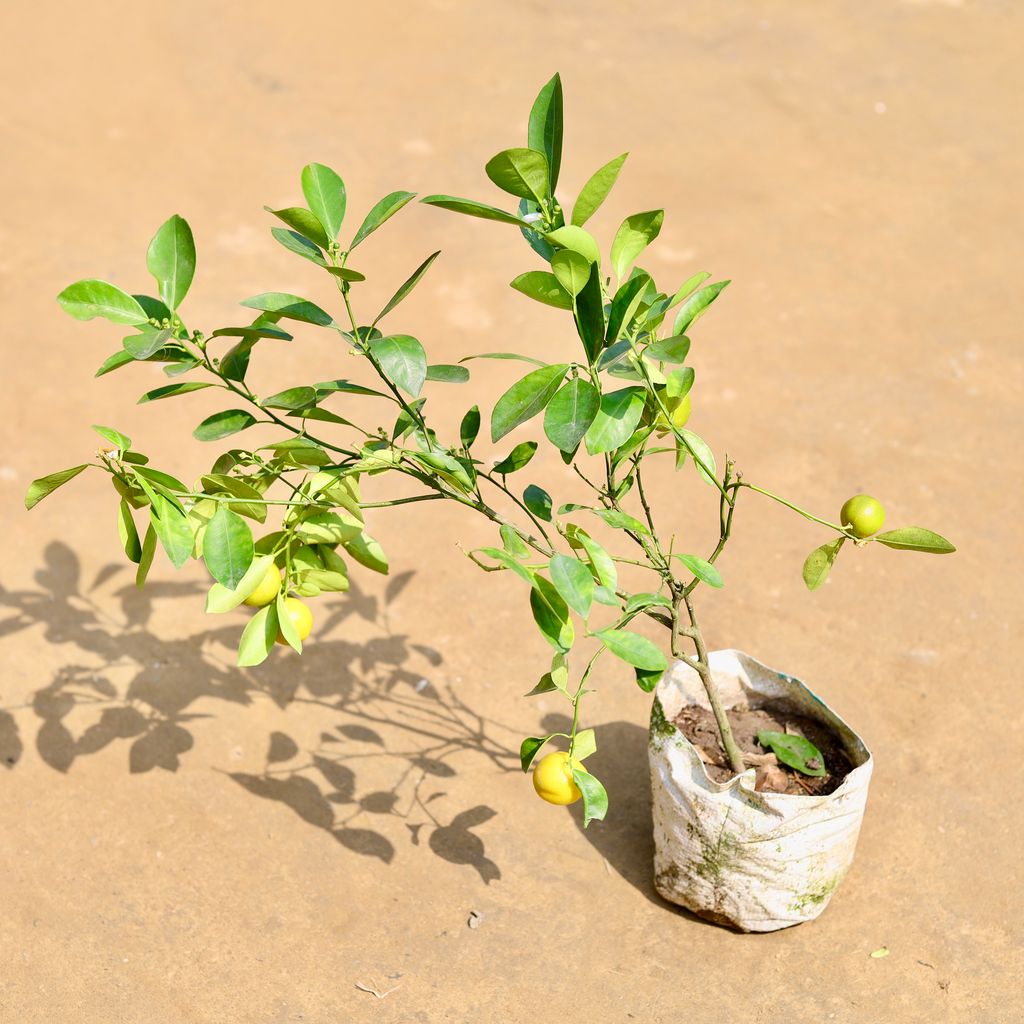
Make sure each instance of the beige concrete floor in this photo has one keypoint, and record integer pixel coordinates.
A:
(855, 169)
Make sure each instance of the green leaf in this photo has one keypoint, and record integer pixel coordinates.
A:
(520, 172)
(258, 637)
(589, 315)
(634, 649)
(819, 562)
(128, 533)
(616, 419)
(329, 528)
(366, 551)
(154, 308)
(147, 343)
(704, 453)
(647, 680)
(300, 245)
(115, 362)
(407, 287)
(570, 413)
(797, 752)
(624, 306)
(115, 437)
(384, 210)
(695, 305)
(146, 558)
(915, 538)
(621, 520)
(164, 480)
(551, 614)
(577, 240)
(220, 599)
(285, 625)
(291, 399)
(253, 333)
(470, 427)
(595, 798)
(346, 273)
(702, 569)
(517, 458)
(544, 685)
(544, 132)
(223, 424)
(340, 487)
(601, 563)
(584, 744)
(544, 287)
(538, 501)
(684, 289)
(347, 387)
(474, 209)
(325, 194)
(235, 364)
(504, 355)
(572, 271)
(91, 298)
(45, 485)
(403, 361)
(227, 547)
(507, 561)
(530, 748)
(304, 221)
(249, 499)
(512, 542)
(290, 306)
(182, 366)
(679, 382)
(173, 529)
(634, 235)
(525, 399)
(171, 390)
(171, 259)
(451, 469)
(573, 581)
(669, 350)
(447, 373)
(596, 190)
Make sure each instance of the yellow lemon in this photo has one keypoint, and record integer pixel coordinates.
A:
(267, 588)
(679, 411)
(301, 618)
(552, 778)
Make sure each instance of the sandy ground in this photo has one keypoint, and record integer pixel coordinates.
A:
(855, 169)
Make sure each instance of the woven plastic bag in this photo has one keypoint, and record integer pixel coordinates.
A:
(753, 861)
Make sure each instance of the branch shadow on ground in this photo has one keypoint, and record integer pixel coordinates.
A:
(384, 717)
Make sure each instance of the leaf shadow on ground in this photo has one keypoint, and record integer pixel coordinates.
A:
(383, 716)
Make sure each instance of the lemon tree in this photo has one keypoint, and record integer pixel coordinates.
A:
(279, 519)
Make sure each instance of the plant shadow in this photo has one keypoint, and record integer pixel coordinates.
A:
(390, 738)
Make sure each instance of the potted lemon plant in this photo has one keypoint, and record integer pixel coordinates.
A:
(759, 787)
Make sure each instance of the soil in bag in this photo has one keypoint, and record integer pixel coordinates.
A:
(698, 726)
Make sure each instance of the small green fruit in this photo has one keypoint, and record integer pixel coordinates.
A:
(863, 514)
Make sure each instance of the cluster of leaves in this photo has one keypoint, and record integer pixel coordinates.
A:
(623, 398)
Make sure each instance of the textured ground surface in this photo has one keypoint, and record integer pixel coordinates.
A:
(855, 169)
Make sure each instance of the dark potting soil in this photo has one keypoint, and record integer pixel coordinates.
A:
(698, 726)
